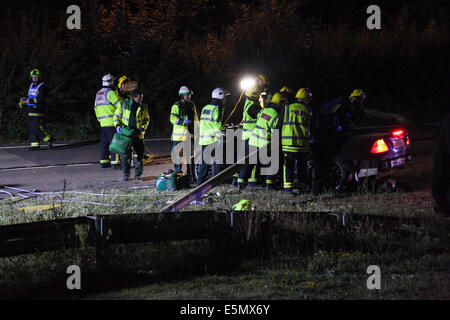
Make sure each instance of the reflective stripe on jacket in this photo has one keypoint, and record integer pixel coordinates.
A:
(180, 130)
(106, 103)
(122, 116)
(266, 122)
(248, 123)
(210, 124)
(295, 130)
(33, 93)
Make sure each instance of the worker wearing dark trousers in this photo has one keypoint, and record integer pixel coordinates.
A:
(247, 171)
(133, 116)
(183, 116)
(190, 166)
(35, 109)
(37, 132)
(107, 157)
(295, 138)
(291, 165)
(211, 119)
(106, 103)
(252, 107)
(203, 168)
(267, 122)
(139, 148)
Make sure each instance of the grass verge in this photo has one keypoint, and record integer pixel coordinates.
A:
(315, 263)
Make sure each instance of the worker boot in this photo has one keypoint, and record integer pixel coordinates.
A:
(50, 143)
(253, 186)
(240, 186)
(138, 169)
(105, 165)
(126, 177)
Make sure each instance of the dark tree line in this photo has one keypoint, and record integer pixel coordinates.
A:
(324, 45)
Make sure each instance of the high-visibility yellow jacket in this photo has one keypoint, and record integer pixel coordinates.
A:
(210, 124)
(266, 122)
(106, 103)
(177, 118)
(249, 122)
(123, 113)
(295, 130)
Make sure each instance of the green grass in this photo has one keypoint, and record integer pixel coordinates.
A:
(315, 262)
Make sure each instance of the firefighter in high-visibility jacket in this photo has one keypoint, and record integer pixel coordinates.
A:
(183, 116)
(34, 105)
(252, 107)
(295, 138)
(267, 122)
(106, 103)
(133, 115)
(211, 120)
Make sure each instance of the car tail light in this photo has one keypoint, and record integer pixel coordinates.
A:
(399, 133)
(379, 147)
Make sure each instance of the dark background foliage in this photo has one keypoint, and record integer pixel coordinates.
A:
(323, 45)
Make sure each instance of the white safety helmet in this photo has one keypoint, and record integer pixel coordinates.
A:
(184, 90)
(219, 93)
(108, 80)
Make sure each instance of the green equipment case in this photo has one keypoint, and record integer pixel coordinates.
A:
(171, 181)
(121, 142)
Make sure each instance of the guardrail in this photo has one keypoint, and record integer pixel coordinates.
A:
(103, 230)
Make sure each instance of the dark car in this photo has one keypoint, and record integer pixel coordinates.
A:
(358, 154)
(364, 152)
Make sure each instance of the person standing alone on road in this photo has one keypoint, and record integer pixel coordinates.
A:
(106, 103)
(35, 110)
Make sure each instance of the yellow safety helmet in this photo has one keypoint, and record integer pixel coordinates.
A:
(303, 94)
(278, 98)
(35, 73)
(253, 93)
(287, 89)
(264, 80)
(122, 79)
(357, 93)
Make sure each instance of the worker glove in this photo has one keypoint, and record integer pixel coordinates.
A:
(187, 122)
(119, 130)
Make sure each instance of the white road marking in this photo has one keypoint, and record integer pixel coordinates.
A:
(50, 166)
(66, 144)
(21, 147)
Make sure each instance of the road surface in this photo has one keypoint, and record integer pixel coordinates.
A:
(75, 165)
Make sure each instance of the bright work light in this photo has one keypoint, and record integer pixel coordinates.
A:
(247, 83)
